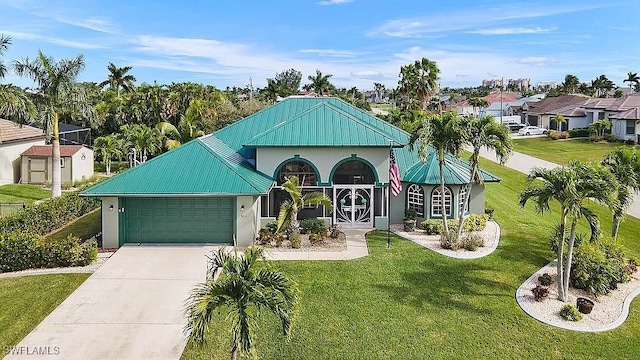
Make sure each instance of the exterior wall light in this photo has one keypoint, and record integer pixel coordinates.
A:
(110, 207)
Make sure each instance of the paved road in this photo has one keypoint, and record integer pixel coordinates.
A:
(130, 308)
(524, 164)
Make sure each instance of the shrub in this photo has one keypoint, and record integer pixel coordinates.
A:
(545, 279)
(296, 240)
(553, 134)
(475, 222)
(471, 241)
(49, 215)
(598, 267)
(629, 142)
(334, 231)
(563, 135)
(570, 312)
(314, 226)
(410, 214)
(579, 132)
(272, 226)
(22, 250)
(435, 227)
(489, 211)
(610, 138)
(315, 239)
(540, 292)
(267, 236)
(449, 241)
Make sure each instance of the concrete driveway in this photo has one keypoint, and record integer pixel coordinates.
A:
(130, 308)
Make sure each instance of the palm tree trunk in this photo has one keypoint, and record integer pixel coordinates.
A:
(567, 266)
(107, 165)
(444, 212)
(56, 180)
(234, 349)
(467, 195)
(560, 254)
(615, 226)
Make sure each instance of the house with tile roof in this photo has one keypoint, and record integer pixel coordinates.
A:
(541, 113)
(624, 114)
(76, 164)
(223, 187)
(15, 139)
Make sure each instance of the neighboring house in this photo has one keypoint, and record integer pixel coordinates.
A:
(624, 114)
(14, 140)
(76, 163)
(228, 185)
(574, 116)
(541, 112)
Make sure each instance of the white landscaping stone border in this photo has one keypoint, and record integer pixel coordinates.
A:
(431, 242)
(521, 294)
(89, 269)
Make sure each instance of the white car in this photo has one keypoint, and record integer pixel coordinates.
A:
(532, 130)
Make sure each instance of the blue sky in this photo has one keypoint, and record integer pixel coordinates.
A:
(224, 43)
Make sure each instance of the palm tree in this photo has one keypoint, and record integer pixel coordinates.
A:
(241, 291)
(420, 80)
(320, 83)
(478, 103)
(58, 92)
(270, 92)
(483, 133)
(119, 79)
(446, 135)
(145, 140)
(15, 104)
(570, 84)
(5, 41)
(624, 164)
(109, 147)
(632, 78)
(560, 119)
(288, 216)
(570, 186)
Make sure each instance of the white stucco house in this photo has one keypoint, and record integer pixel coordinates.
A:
(227, 185)
(14, 140)
(76, 164)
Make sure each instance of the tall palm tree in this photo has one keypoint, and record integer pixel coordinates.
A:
(288, 216)
(570, 84)
(190, 126)
(241, 291)
(624, 164)
(15, 104)
(109, 147)
(560, 119)
(483, 133)
(632, 78)
(58, 92)
(420, 80)
(320, 83)
(478, 103)
(570, 186)
(145, 140)
(119, 79)
(445, 133)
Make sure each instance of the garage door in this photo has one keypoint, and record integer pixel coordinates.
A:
(177, 220)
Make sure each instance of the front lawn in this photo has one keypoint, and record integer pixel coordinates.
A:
(22, 193)
(408, 302)
(27, 300)
(84, 227)
(562, 151)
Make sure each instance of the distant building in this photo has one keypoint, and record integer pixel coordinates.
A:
(519, 84)
(493, 83)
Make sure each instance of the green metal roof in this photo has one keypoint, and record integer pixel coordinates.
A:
(324, 125)
(456, 172)
(204, 167)
(245, 130)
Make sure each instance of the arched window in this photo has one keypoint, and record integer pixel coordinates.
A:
(305, 173)
(354, 172)
(461, 195)
(440, 199)
(415, 199)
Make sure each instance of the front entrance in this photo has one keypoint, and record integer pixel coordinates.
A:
(353, 206)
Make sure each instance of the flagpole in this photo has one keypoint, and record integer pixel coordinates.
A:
(389, 201)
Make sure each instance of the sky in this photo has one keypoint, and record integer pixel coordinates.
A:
(227, 43)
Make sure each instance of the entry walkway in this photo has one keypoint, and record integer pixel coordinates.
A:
(524, 163)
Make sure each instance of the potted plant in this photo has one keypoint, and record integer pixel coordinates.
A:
(410, 220)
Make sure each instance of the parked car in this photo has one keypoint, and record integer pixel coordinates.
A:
(514, 126)
(532, 130)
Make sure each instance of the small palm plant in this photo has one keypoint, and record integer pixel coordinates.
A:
(288, 216)
(241, 290)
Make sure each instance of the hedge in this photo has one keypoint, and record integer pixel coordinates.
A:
(475, 222)
(24, 250)
(49, 215)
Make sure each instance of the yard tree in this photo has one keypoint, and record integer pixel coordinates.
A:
(15, 104)
(119, 79)
(624, 164)
(288, 82)
(485, 133)
(57, 92)
(571, 186)
(446, 134)
(632, 79)
(320, 83)
(145, 140)
(190, 126)
(288, 216)
(420, 81)
(570, 84)
(242, 289)
(477, 104)
(109, 147)
(560, 119)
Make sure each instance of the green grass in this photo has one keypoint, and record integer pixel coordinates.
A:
(84, 227)
(22, 193)
(563, 151)
(408, 302)
(27, 300)
(116, 166)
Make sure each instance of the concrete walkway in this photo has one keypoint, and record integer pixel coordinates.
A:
(524, 164)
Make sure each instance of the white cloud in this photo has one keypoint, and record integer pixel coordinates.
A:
(512, 31)
(331, 52)
(535, 60)
(366, 74)
(333, 2)
(57, 41)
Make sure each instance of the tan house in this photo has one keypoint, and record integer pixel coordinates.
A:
(14, 140)
(76, 163)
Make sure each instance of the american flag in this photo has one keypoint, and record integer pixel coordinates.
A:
(394, 175)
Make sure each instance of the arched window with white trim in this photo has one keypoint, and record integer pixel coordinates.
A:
(461, 195)
(415, 199)
(440, 199)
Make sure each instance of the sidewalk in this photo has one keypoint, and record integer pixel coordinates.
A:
(524, 164)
